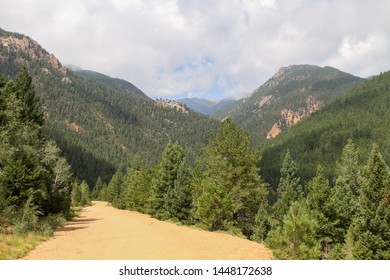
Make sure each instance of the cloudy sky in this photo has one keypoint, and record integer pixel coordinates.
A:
(206, 48)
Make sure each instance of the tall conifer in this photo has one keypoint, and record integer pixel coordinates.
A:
(296, 238)
(230, 164)
(369, 234)
(318, 195)
(289, 189)
(345, 194)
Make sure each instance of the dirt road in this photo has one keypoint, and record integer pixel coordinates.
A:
(103, 232)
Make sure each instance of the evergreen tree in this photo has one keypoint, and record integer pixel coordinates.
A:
(229, 163)
(97, 188)
(103, 194)
(31, 108)
(3, 82)
(115, 190)
(345, 194)
(289, 189)
(296, 238)
(369, 234)
(215, 209)
(318, 195)
(262, 225)
(76, 194)
(80, 194)
(161, 201)
(138, 191)
(180, 197)
(30, 166)
(22, 144)
(85, 195)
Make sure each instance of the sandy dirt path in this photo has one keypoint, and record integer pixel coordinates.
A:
(103, 232)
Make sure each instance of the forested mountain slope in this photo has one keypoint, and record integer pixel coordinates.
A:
(118, 84)
(100, 123)
(293, 93)
(363, 115)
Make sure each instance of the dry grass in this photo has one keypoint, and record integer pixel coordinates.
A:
(13, 247)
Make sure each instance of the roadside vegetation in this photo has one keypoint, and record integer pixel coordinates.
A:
(37, 187)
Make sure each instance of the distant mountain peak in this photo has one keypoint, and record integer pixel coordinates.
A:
(292, 73)
(282, 71)
(205, 106)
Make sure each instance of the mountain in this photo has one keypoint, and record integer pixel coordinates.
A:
(101, 123)
(362, 114)
(204, 106)
(115, 83)
(292, 94)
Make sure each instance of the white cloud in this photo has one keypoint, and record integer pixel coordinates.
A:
(370, 52)
(204, 48)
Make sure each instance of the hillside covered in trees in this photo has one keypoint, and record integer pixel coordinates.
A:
(362, 114)
(100, 123)
(292, 94)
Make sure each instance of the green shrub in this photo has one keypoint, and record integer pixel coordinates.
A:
(28, 219)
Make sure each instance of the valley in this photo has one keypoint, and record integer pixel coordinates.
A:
(300, 165)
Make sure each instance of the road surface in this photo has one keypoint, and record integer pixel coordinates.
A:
(105, 233)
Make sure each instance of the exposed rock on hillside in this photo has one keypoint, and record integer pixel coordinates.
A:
(32, 49)
(293, 93)
(172, 104)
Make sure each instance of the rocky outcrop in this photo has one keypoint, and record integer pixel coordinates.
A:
(172, 104)
(274, 131)
(32, 50)
(290, 117)
(265, 100)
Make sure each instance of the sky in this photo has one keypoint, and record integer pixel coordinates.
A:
(206, 48)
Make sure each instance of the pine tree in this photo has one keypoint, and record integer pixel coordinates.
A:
(97, 188)
(161, 201)
(115, 190)
(318, 195)
(289, 189)
(3, 82)
(369, 234)
(296, 238)
(261, 225)
(80, 194)
(344, 198)
(22, 144)
(229, 163)
(85, 195)
(76, 194)
(31, 108)
(215, 208)
(30, 166)
(180, 197)
(138, 184)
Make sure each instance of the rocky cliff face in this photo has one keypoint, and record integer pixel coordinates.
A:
(289, 117)
(12, 42)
